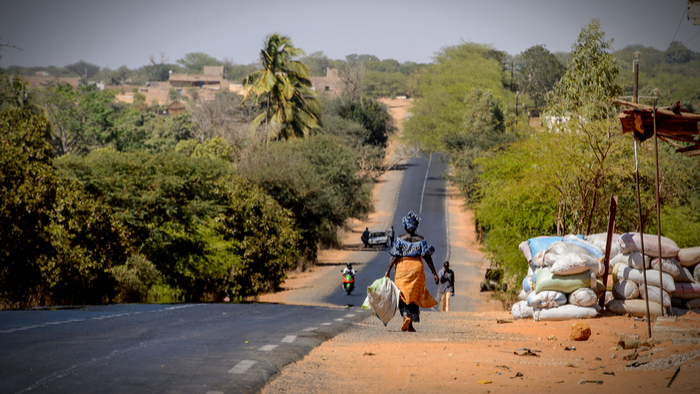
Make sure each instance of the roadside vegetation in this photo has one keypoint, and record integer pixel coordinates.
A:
(111, 202)
(524, 182)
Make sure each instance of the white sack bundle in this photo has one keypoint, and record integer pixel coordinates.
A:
(521, 310)
(633, 260)
(622, 272)
(669, 266)
(600, 240)
(525, 250)
(559, 249)
(625, 290)
(631, 242)
(654, 295)
(636, 307)
(571, 264)
(583, 297)
(565, 312)
(523, 295)
(589, 247)
(546, 299)
(689, 256)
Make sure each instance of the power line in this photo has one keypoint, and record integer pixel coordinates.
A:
(669, 45)
(692, 37)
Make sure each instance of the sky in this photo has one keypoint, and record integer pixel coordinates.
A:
(128, 32)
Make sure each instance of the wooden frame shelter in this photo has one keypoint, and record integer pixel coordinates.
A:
(673, 125)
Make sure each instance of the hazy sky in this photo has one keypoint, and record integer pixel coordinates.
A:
(117, 32)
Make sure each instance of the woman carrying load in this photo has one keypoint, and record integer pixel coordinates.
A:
(407, 255)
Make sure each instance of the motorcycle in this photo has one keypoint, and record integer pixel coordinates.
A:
(348, 282)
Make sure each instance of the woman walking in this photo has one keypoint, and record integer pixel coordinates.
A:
(407, 254)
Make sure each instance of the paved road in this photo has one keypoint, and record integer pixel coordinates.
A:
(197, 348)
(192, 348)
(422, 182)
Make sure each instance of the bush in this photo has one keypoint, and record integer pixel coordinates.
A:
(135, 279)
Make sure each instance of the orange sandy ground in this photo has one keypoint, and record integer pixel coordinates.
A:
(470, 351)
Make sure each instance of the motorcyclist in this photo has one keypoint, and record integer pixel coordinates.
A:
(348, 269)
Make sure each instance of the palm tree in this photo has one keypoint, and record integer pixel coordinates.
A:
(283, 89)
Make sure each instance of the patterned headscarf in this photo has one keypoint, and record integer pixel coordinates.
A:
(410, 222)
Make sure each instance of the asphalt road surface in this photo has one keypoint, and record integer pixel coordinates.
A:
(191, 348)
(198, 348)
(422, 183)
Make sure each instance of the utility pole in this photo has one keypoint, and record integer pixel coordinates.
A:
(516, 107)
(635, 70)
(511, 81)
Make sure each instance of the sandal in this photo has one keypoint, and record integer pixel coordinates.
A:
(406, 324)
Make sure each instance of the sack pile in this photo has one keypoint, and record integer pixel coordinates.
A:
(562, 281)
(566, 271)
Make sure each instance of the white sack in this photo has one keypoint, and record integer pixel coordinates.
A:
(631, 242)
(634, 307)
(600, 240)
(565, 312)
(653, 292)
(523, 295)
(669, 266)
(383, 298)
(521, 310)
(625, 290)
(583, 297)
(546, 299)
(571, 264)
(689, 256)
(633, 260)
(622, 272)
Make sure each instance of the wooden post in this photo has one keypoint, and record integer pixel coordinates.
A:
(658, 213)
(641, 231)
(608, 245)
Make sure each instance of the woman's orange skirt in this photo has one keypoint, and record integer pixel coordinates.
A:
(410, 279)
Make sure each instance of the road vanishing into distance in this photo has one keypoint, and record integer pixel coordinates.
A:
(199, 348)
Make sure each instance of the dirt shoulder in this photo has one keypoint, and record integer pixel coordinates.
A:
(464, 351)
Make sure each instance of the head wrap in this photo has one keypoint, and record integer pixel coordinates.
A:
(410, 222)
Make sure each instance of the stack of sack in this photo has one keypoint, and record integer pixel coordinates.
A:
(560, 270)
(687, 292)
(627, 269)
(562, 281)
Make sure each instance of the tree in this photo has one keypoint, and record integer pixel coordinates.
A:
(317, 63)
(57, 244)
(80, 118)
(283, 88)
(83, 69)
(442, 88)
(590, 80)
(542, 70)
(352, 73)
(194, 62)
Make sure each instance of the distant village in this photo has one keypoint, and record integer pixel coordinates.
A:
(203, 86)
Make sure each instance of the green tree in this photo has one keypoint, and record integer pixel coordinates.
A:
(81, 68)
(317, 63)
(283, 88)
(442, 88)
(57, 243)
(194, 62)
(542, 70)
(590, 80)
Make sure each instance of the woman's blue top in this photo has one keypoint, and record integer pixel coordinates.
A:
(402, 248)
